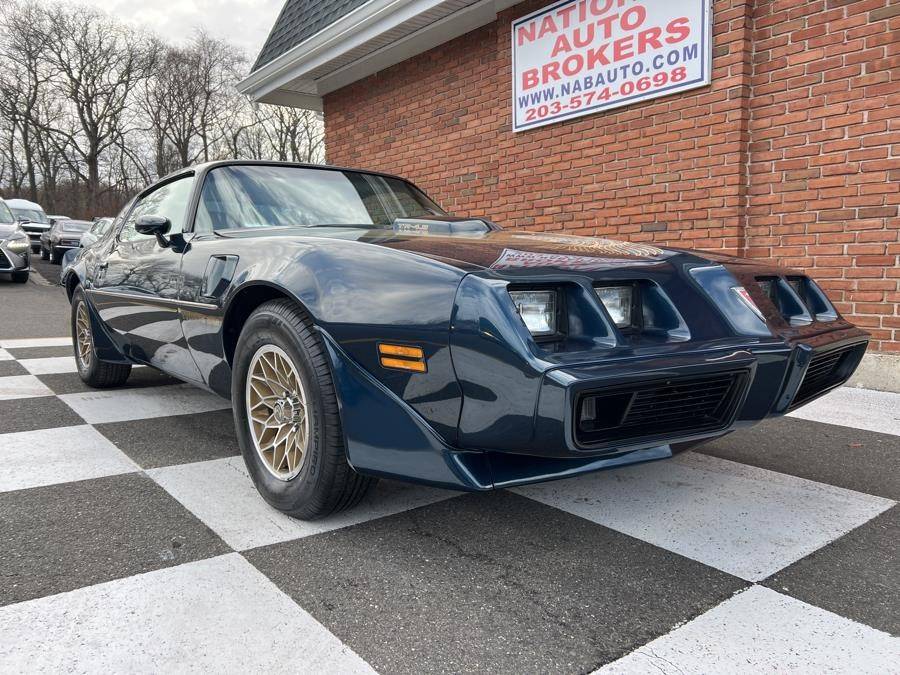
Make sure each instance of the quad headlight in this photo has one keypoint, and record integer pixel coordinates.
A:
(537, 309)
(618, 301)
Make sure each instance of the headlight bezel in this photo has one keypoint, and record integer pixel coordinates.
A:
(555, 327)
(631, 313)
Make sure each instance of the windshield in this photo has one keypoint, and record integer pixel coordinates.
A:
(287, 196)
(29, 214)
(6, 216)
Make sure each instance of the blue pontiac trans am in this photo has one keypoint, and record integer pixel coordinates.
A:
(361, 331)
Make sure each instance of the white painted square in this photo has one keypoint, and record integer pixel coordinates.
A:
(50, 365)
(743, 520)
(96, 407)
(48, 456)
(858, 408)
(220, 493)
(761, 631)
(218, 615)
(22, 386)
(21, 343)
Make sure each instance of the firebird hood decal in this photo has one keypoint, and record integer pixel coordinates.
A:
(506, 249)
(515, 259)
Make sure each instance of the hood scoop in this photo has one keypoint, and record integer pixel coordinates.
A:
(443, 226)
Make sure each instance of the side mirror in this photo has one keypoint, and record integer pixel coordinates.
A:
(157, 226)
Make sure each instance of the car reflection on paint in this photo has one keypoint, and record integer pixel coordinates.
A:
(98, 228)
(65, 234)
(361, 331)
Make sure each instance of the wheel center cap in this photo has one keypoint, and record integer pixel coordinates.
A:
(286, 411)
(281, 412)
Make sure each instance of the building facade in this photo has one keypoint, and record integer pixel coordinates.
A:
(791, 152)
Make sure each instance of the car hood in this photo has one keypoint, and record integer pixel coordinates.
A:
(512, 251)
(7, 229)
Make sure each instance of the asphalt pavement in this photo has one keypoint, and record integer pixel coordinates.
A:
(35, 309)
(133, 540)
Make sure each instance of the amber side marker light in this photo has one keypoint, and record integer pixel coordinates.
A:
(401, 357)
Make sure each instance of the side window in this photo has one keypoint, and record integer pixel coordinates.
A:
(169, 200)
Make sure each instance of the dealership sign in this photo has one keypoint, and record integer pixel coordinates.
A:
(579, 57)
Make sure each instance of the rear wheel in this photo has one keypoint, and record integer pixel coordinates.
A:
(55, 256)
(20, 277)
(45, 254)
(286, 416)
(93, 371)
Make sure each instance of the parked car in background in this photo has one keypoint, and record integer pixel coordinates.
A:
(99, 227)
(362, 331)
(15, 247)
(64, 235)
(32, 219)
(54, 219)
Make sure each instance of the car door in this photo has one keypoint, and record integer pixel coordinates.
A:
(137, 287)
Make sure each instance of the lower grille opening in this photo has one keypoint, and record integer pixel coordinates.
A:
(828, 370)
(5, 264)
(658, 409)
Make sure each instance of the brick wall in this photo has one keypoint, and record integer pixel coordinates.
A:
(793, 151)
(825, 151)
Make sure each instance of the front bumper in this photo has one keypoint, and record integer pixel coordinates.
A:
(14, 262)
(386, 437)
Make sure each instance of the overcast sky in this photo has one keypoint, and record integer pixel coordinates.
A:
(243, 22)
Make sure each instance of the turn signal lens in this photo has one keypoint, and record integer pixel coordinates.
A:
(402, 357)
(537, 309)
(400, 350)
(402, 364)
(617, 300)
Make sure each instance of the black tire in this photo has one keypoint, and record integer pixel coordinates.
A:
(20, 277)
(55, 256)
(45, 254)
(98, 374)
(325, 483)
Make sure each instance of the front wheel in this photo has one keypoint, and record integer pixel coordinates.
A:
(286, 416)
(20, 277)
(92, 371)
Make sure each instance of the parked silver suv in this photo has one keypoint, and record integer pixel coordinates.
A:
(15, 247)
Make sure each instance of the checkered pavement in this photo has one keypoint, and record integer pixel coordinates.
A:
(133, 540)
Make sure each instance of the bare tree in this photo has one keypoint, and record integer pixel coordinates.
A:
(91, 110)
(23, 77)
(97, 63)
